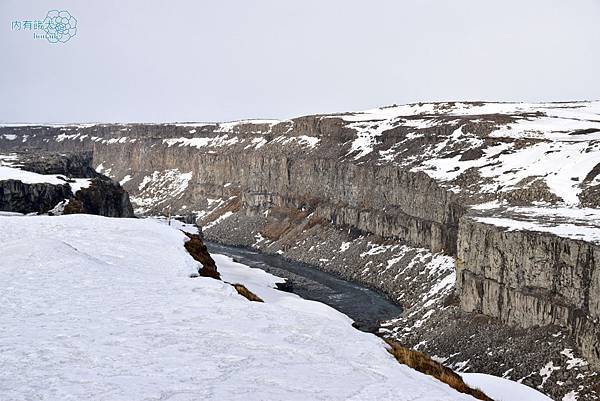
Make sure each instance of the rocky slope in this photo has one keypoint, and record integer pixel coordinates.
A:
(391, 197)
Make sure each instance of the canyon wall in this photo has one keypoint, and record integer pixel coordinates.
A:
(531, 279)
(385, 200)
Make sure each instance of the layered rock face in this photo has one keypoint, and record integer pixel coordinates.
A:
(69, 164)
(531, 279)
(16, 196)
(388, 197)
(103, 197)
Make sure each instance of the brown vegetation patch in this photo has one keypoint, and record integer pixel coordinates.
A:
(246, 293)
(73, 206)
(422, 363)
(283, 220)
(314, 221)
(195, 246)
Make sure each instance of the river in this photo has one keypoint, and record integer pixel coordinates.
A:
(365, 306)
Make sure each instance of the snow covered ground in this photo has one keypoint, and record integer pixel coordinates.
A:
(573, 231)
(568, 222)
(553, 143)
(503, 389)
(95, 308)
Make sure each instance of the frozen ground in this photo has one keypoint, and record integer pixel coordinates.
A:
(568, 222)
(554, 144)
(103, 309)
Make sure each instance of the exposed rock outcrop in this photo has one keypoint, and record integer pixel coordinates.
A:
(70, 164)
(16, 196)
(104, 197)
(97, 195)
(531, 279)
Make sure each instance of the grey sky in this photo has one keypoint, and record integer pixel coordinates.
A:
(190, 60)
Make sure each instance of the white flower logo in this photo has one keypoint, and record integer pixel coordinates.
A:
(60, 26)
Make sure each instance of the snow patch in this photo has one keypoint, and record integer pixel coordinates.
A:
(160, 187)
(566, 230)
(201, 142)
(218, 220)
(28, 177)
(125, 179)
(500, 389)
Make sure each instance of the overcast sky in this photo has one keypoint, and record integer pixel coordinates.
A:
(193, 60)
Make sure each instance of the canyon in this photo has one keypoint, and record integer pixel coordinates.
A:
(480, 219)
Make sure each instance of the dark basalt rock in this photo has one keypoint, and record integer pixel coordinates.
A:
(103, 197)
(71, 164)
(529, 279)
(286, 286)
(590, 197)
(16, 196)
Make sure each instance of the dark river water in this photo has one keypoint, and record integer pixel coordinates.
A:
(365, 306)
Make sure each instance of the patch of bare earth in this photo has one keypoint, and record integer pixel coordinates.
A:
(195, 247)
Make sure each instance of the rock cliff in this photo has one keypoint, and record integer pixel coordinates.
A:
(103, 197)
(16, 196)
(531, 279)
(42, 182)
